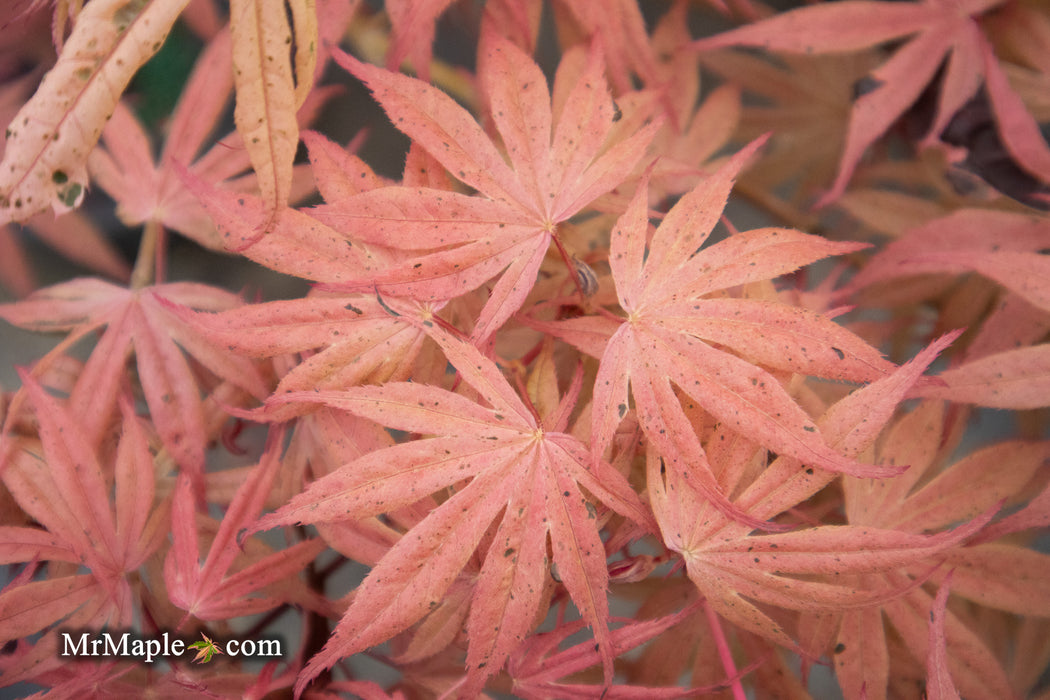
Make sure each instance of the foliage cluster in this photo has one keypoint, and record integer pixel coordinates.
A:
(587, 437)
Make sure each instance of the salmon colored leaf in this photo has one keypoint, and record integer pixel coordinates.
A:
(1005, 247)
(151, 191)
(234, 579)
(558, 165)
(356, 340)
(138, 321)
(852, 426)
(939, 684)
(154, 190)
(936, 32)
(1017, 379)
(531, 475)
(795, 570)
(65, 488)
(928, 497)
(49, 139)
(672, 333)
(413, 27)
(77, 509)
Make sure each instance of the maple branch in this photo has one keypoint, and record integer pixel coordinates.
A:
(724, 652)
(145, 262)
(316, 628)
(266, 620)
(570, 266)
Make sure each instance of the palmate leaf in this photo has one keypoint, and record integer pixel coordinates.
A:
(1007, 248)
(714, 348)
(559, 163)
(356, 337)
(795, 570)
(139, 321)
(160, 191)
(231, 581)
(695, 131)
(530, 472)
(814, 569)
(929, 497)
(101, 517)
(148, 191)
(66, 492)
(936, 33)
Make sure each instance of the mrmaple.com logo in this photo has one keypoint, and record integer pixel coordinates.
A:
(127, 645)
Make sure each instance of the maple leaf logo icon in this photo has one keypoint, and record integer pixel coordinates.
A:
(205, 650)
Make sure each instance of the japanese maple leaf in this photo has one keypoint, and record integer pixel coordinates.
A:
(928, 497)
(1009, 249)
(524, 474)
(695, 131)
(101, 517)
(559, 163)
(937, 32)
(713, 347)
(356, 337)
(236, 578)
(808, 569)
(138, 321)
(148, 191)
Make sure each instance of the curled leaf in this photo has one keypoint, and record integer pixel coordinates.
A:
(49, 139)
